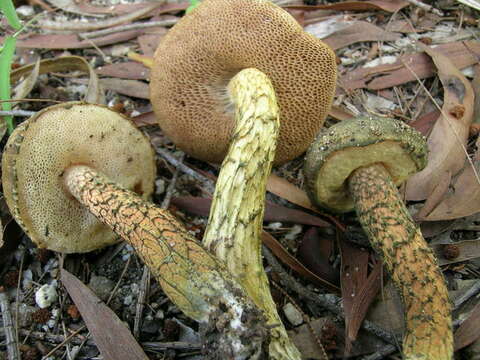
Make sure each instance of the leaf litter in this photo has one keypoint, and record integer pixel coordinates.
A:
(381, 70)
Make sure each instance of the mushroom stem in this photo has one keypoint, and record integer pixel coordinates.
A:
(234, 226)
(410, 261)
(191, 277)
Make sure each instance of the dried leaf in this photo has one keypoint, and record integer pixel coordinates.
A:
(24, 87)
(339, 114)
(281, 187)
(126, 70)
(359, 31)
(314, 252)
(472, 3)
(358, 287)
(448, 138)
(133, 88)
(462, 55)
(99, 24)
(94, 93)
(149, 42)
(425, 123)
(386, 5)
(75, 7)
(469, 331)
(273, 212)
(145, 119)
(71, 41)
(112, 337)
(283, 255)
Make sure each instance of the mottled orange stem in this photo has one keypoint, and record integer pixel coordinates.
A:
(191, 277)
(411, 262)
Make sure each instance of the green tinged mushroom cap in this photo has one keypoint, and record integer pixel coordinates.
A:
(355, 143)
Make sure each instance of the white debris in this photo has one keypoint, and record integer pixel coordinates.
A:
(292, 234)
(46, 295)
(326, 28)
(292, 314)
(381, 61)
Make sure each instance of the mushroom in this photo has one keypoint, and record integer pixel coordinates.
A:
(56, 169)
(234, 227)
(358, 164)
(195, 61)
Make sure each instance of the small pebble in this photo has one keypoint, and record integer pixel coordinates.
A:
(292, 314)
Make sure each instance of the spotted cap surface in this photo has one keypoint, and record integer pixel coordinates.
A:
(206, 48)
(355, 143)
(39, 151)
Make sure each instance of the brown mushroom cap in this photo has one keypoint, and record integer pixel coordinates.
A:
(355, 143)
(202, 52)
(39, 151)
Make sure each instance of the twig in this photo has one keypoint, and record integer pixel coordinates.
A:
(60, 339)
(425, 7)
(327, 301)
(64, 341)
(474, 289)
(114, 291)
(10, 334)
(382, 353)
(134, 26)
(17, 113)
(206, 182)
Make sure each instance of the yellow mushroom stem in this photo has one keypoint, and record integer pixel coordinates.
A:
(191, 277)
(413, 267)
(236, 216)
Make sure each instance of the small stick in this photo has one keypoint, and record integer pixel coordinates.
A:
(134, 26)
(9, 328)
(17, 113)
(474, 289)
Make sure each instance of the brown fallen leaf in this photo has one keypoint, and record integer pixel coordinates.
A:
(448, 137)
(149, 42)
(112, 337)
(94, 92)
(281, 187)
(425, 123)
(99, 24)
(315, 250)
(284, 256)
(386, 5)
(339, 114)
(133, 88)
(462, 55)
(273, 212)
(22, 90)
(127, 70)
(469, 331)
(359, 31)
(120, 9)
(145, 119)
(358, 288)
(71, 41)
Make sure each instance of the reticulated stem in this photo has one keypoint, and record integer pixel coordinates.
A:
(191, 277)
(236, 215)
(413, 267)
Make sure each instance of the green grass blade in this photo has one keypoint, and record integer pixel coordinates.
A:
(6, 6)
(6, 57)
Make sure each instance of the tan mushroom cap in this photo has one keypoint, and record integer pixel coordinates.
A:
(39, 151)
(202, 52)
(355, 143)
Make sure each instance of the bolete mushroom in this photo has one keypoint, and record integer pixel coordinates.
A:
(234, 227)
(55, 169)
(358, 164)
(195, 61)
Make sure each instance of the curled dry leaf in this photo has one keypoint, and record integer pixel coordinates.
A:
(126, 70)
(463, 198)
(24, 87)
(94, 93)
(390, 6)
(447, 140)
